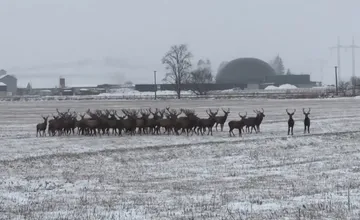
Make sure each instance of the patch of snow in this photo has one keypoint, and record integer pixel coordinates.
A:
(287, 86)
(271, 88)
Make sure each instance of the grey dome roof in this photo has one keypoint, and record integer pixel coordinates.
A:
(244, 70)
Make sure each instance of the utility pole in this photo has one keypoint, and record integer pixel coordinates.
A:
(336, 80)
(338, 47)
(155, 83)
(353, 47)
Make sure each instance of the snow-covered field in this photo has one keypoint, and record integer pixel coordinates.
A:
(268, 175)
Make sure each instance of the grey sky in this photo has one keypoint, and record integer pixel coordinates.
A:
(52, 36)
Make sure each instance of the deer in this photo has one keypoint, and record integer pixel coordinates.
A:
(187, 123)
(237, 124)
(208, 122)
(130, 122)
(170, 121)
(254, 122)
(306, 121)
(41, 127)
(259, 118)
(291, 122)
(221, 119)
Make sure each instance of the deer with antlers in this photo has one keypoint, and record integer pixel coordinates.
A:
(208, 122)
(170, 121)
(291, 122)
(306, 121)
(221, 119)
(41, 127)
(237, 124)
(254, 122)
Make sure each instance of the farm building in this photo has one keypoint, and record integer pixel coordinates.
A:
(10, 81)
(3, 89)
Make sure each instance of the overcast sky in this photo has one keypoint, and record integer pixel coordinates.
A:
(41, 40)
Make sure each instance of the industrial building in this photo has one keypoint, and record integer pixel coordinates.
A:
(10, 81)
(256, 73)
(242, 73)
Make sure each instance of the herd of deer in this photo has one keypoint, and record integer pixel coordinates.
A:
(147, 121)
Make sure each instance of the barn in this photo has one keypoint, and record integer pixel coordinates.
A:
(3, 89)
(10, 81)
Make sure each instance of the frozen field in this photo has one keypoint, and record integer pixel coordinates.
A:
(258, 176)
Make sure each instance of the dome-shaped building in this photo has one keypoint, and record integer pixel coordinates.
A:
(244, 71)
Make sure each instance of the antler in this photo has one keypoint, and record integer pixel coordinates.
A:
(243, 116)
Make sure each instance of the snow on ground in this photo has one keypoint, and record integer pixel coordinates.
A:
(284, 86)
(268, 175)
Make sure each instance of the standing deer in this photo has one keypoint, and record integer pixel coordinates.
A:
(41, 127)
(306, 121)
(237, 125)
(291, 122)
(222, 119)
(207, 122)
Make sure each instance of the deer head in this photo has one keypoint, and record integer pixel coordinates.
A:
(259, 114)
(45, 118)
(226, 112)
(243, 116)
(306, 113)
(290, 114)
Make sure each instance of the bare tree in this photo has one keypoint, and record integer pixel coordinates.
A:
(200, 77)
(178, 64)
(355, 83)
(343, 87)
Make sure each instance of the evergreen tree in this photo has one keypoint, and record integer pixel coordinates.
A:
(278, 65)
(288, 72)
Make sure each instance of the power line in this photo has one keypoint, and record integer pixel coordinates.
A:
(353, 46)
(338, 47)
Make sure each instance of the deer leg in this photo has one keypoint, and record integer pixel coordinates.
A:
(288, 130)
(222, 126)
(216, 125)
(308, 129)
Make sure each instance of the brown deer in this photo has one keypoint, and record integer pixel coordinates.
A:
(222, 119)
(254, 122)
(306, 121)
(41, 127)
(291, 122)
(208, 122)
(237, 125)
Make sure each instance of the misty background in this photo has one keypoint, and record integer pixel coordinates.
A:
(92, 42)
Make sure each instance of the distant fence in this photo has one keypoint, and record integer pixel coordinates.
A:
(269, 94)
